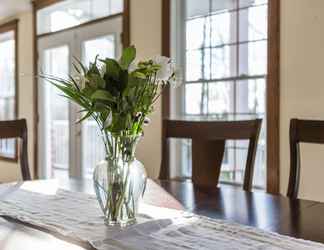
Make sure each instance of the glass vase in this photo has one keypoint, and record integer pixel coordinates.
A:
(119, 180)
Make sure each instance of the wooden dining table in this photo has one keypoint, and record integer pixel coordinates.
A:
(297, 218)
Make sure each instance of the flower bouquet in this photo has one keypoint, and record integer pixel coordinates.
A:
(119, 95)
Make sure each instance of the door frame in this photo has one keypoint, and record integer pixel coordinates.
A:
(38, 5)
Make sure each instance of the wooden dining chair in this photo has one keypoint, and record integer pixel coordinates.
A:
(208, 146)
(17, 129)
(301, 131)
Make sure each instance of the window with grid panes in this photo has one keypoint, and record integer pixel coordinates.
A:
(224, 58)
(7, 89)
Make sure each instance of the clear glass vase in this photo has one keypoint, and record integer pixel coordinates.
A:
(119, 181)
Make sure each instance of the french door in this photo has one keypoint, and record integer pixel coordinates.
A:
(67, 149)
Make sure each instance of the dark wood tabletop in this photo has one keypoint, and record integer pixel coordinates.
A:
(293, 217)
(296, 218)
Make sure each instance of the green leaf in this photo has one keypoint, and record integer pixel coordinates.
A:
(93, 68)
(129, 121)
(88, 91)
(76, 68)
(102, 95)
(128, 57)
(86, 116)
(112, 68)
(97, 80)
(123, 81)
(138, 74)
(104, 114)
(84, 69)
(74, 83)
(57, 80)
(118, 124)
(100, 107)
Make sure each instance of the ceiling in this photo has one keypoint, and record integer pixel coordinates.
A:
(12, 7)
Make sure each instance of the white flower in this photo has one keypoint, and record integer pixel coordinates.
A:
(108, 120)
(166, 70)
(81, 80)
(177, 78)
(132, 67)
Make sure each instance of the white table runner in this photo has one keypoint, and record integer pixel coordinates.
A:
(78, 215)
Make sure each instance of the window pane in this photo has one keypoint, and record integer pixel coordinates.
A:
(253, 58)
(56, 62)
(223, 45)
(7, 75)
(220, 97)
(186, 157)
(7, 108)
(7, 88)
(115, 6)
(102, 46)
(197, 30)
(93, 149)
(223, 5)
(239, 167)
(194, 65)
(193, 99)
(247, 3)
(250, 96)
(8, 148)
(227, 165)
(243, 144)
(204, 7)
(223, 62)
(74, 12)
(197, 8)
(225, 33)
(259, 178)
(253, 23)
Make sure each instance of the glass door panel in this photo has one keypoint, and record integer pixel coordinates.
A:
(55, 114)
(102, 46)
(92, 145)
(66, 148)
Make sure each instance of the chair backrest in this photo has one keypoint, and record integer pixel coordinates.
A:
(208, 146)
(17, 129)
(308, 131)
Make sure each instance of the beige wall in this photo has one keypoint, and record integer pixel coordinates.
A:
(146, 36)
(11, 171)
(302, 50)
(302, 86)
